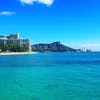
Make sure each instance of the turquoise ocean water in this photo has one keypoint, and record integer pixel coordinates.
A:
(50, 76)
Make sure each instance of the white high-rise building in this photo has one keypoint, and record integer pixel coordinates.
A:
(15, 40)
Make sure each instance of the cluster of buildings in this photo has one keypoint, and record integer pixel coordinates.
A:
(16, 40)
(84, 50)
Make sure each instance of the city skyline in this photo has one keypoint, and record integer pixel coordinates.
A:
(73, 22)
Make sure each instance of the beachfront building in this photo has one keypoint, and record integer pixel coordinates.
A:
(84, 50)
(16, 41)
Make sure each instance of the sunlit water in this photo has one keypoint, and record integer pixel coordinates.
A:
(50, 76)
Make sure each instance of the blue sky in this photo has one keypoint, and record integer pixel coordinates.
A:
(75, 23)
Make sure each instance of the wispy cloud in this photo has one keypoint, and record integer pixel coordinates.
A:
(7, 13)
(30, 2)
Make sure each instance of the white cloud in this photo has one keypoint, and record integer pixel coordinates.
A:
(6, 13)
(91, 44)
(94, 46)
(30, 2)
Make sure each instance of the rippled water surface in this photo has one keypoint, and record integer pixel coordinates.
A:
(50, 76)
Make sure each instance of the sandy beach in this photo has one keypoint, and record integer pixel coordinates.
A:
(17, 53)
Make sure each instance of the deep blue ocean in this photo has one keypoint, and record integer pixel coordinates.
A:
(50, 76)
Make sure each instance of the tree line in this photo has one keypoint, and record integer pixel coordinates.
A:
(10, 47)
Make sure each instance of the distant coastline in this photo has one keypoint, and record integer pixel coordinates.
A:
(14, 45)
(17, 53)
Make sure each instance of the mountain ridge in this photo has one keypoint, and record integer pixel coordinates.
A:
(51, 47)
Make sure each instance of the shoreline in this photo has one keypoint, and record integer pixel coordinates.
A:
(17, 53)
